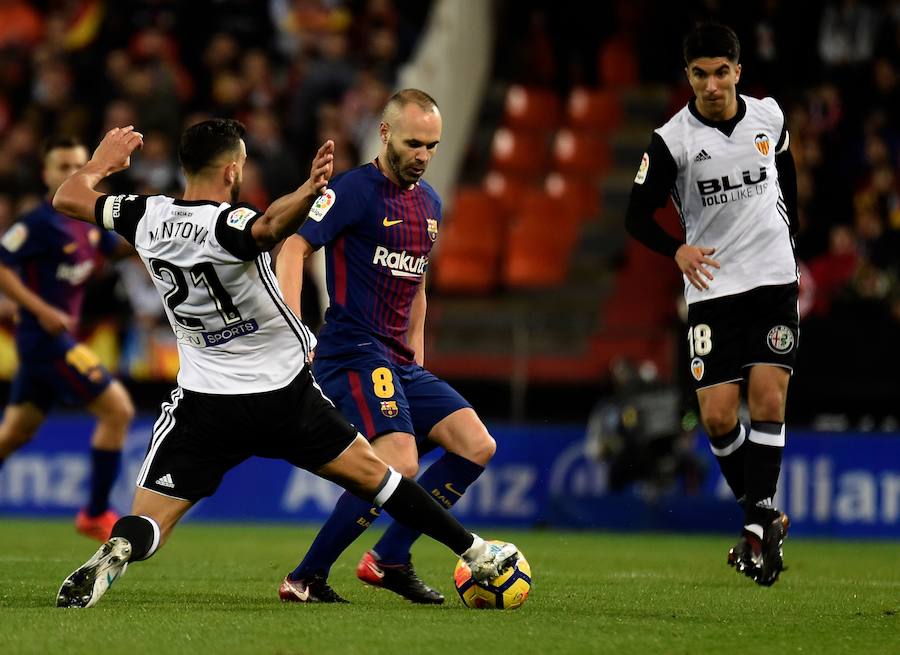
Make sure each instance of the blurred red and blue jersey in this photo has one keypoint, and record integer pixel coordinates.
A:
(54, 256)
(377, 240)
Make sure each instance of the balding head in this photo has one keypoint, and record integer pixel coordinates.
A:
(401, 99)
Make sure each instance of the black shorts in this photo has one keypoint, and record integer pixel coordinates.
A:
(199, 437)
(729, 334)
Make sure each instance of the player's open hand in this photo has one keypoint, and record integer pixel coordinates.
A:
(55, 322)
(693, 261)
(322, 167)
(114, 152)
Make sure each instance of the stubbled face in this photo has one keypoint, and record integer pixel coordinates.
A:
(714, 81)
(410, 141)
(60, 163)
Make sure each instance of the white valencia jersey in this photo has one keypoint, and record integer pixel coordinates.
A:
(234, 331)
(727, 193)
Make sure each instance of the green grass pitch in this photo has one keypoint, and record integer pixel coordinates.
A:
(212, 589)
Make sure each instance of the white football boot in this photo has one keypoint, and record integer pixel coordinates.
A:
(85, 586)
(488, 559)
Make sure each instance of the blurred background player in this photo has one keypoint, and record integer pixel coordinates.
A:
(725, 160)
(45, 262)
(244, 386)
(642, 433)
(378, 224)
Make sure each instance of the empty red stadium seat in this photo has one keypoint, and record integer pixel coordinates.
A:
(467, 257)
(616, 63)
(577, 193)
(532, 108)
(592, 109)
(506, 189)
(582, 153)
(475, 211)
(519, 152)
(540, 242)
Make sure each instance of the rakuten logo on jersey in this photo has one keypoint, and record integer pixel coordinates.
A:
(399, 263)
(75, 274)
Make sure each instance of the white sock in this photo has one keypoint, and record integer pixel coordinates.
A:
(475, 549)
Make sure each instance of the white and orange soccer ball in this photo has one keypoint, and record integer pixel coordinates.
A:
(508, 591)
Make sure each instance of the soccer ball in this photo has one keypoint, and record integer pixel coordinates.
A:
(508, 591)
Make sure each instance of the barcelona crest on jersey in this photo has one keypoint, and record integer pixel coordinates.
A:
(389, 408)
(432, 228)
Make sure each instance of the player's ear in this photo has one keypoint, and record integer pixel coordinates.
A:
(385, 131)
(737, 73)
(231, 173)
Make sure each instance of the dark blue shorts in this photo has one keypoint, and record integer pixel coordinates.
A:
(74, 379)
(378, 396)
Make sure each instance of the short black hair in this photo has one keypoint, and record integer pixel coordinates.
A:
(202, 143)
(405, 97)
(57, 141)
(711, 40)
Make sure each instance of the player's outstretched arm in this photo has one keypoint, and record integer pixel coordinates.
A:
(289, 269)
(285, 215)
(76, 196)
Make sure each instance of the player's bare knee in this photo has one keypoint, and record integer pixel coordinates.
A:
(767, 402)
(408, 468)
(768, 405)
(717, 423)
(481, 450)
(362, 471)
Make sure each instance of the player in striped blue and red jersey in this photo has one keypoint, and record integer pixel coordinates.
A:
(45, 261)
(378, 224)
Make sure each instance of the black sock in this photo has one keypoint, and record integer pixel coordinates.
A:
(141, 532)
(105, 466)
(410, 504)
(730, 451)
(765, 445)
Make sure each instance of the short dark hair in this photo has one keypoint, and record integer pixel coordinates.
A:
(57, 141)
(410, 96)
(202, 143)
(711, 40)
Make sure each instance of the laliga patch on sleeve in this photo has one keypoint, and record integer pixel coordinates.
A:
(321, 206)
(642, 170)
(237, 218)
(15, 237)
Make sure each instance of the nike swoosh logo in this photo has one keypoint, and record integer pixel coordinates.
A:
(374, 569)
(69, 248)
(300, 592)
(449, 487)
(388, 223)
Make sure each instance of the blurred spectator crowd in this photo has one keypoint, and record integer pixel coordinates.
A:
(294, 71)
